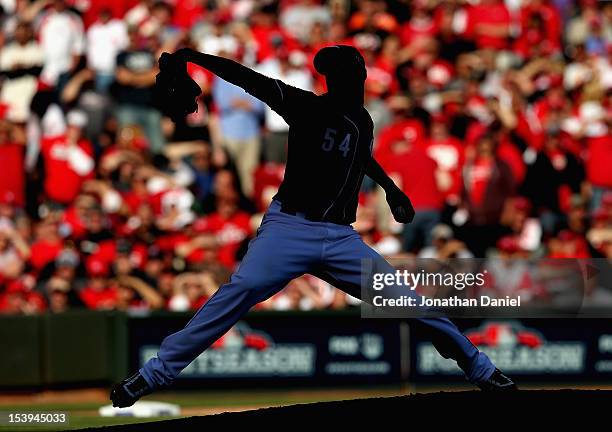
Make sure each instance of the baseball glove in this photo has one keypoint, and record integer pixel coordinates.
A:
(175, 91)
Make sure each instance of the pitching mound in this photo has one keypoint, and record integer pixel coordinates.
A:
(459, 408)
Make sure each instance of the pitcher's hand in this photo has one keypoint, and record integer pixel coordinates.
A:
(400, 206)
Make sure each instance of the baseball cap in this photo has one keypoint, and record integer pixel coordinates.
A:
(76, 118)
(566, 235)
(96, 267)
(522, 204)
(508, 244)
(343, 59)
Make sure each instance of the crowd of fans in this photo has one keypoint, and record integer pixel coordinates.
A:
(493, 116)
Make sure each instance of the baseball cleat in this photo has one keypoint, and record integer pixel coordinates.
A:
(497, 382)
(128, 391)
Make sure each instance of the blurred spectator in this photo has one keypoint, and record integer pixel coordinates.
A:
(192, 290)
(416, 175)
(509, 274)
(239, 116)
(299, 17)
(20, 64)
(133, 293)
(487, 184)
(135, 75)
(12, 161)
(68, 161)
(527, 230)
(106, 38)
(62, 41)
(488, 22)
(290, 68)
(98, 293)
(444, 245)
(449, 154)
(564, 176)
(14, 251)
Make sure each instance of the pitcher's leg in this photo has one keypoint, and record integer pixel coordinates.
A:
(268, 266)
(343, 268)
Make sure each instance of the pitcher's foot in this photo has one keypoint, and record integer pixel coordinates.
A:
(128, 391)
(497, 382)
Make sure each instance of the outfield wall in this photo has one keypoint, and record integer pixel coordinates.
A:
(323, 348)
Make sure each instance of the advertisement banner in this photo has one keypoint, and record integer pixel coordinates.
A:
(529, 350)
(290, 349)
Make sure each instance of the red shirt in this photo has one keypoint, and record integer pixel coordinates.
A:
(599, 161)
(43, 252)
(418, 178)
(230, 233)
(103, 299)
(552, 23)
(187, 13)
(449, 154)
(62, 182)
(76, 224)
(267, 176)
(134, 200)
(488, 14)
(479, 178)
(506, 150)
(417, 28)
(118, 8)
(265, 36)
(12, 180)
(409, 130)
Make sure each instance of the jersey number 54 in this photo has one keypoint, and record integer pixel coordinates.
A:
(329, 142)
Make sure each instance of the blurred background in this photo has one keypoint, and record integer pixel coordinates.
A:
(493, 116)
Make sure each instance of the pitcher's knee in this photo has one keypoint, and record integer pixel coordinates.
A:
(250, 287)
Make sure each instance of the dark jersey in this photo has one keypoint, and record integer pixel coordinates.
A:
(329, 148)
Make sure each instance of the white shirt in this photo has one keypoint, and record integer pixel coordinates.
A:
(17, 93)
(104, 42)
(299, 19)
(61, 37)
(213, 44)
(299, 78)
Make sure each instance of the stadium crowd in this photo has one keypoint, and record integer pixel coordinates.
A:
(493, 116)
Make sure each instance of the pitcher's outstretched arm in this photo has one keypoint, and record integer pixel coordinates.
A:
(264, 88)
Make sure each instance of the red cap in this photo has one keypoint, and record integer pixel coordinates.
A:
(556, 80)
(566, 235)
(508, 244)
(16, 287)
(522, 204)
(439, 118)
(96, 267)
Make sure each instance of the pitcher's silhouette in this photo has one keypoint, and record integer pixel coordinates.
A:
(307, 227)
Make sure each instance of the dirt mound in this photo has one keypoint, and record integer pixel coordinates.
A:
(394, 412)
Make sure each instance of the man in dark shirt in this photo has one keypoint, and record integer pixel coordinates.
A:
(306, 229)
(135, 78)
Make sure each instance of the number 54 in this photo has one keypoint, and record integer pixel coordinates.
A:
(329, 141)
